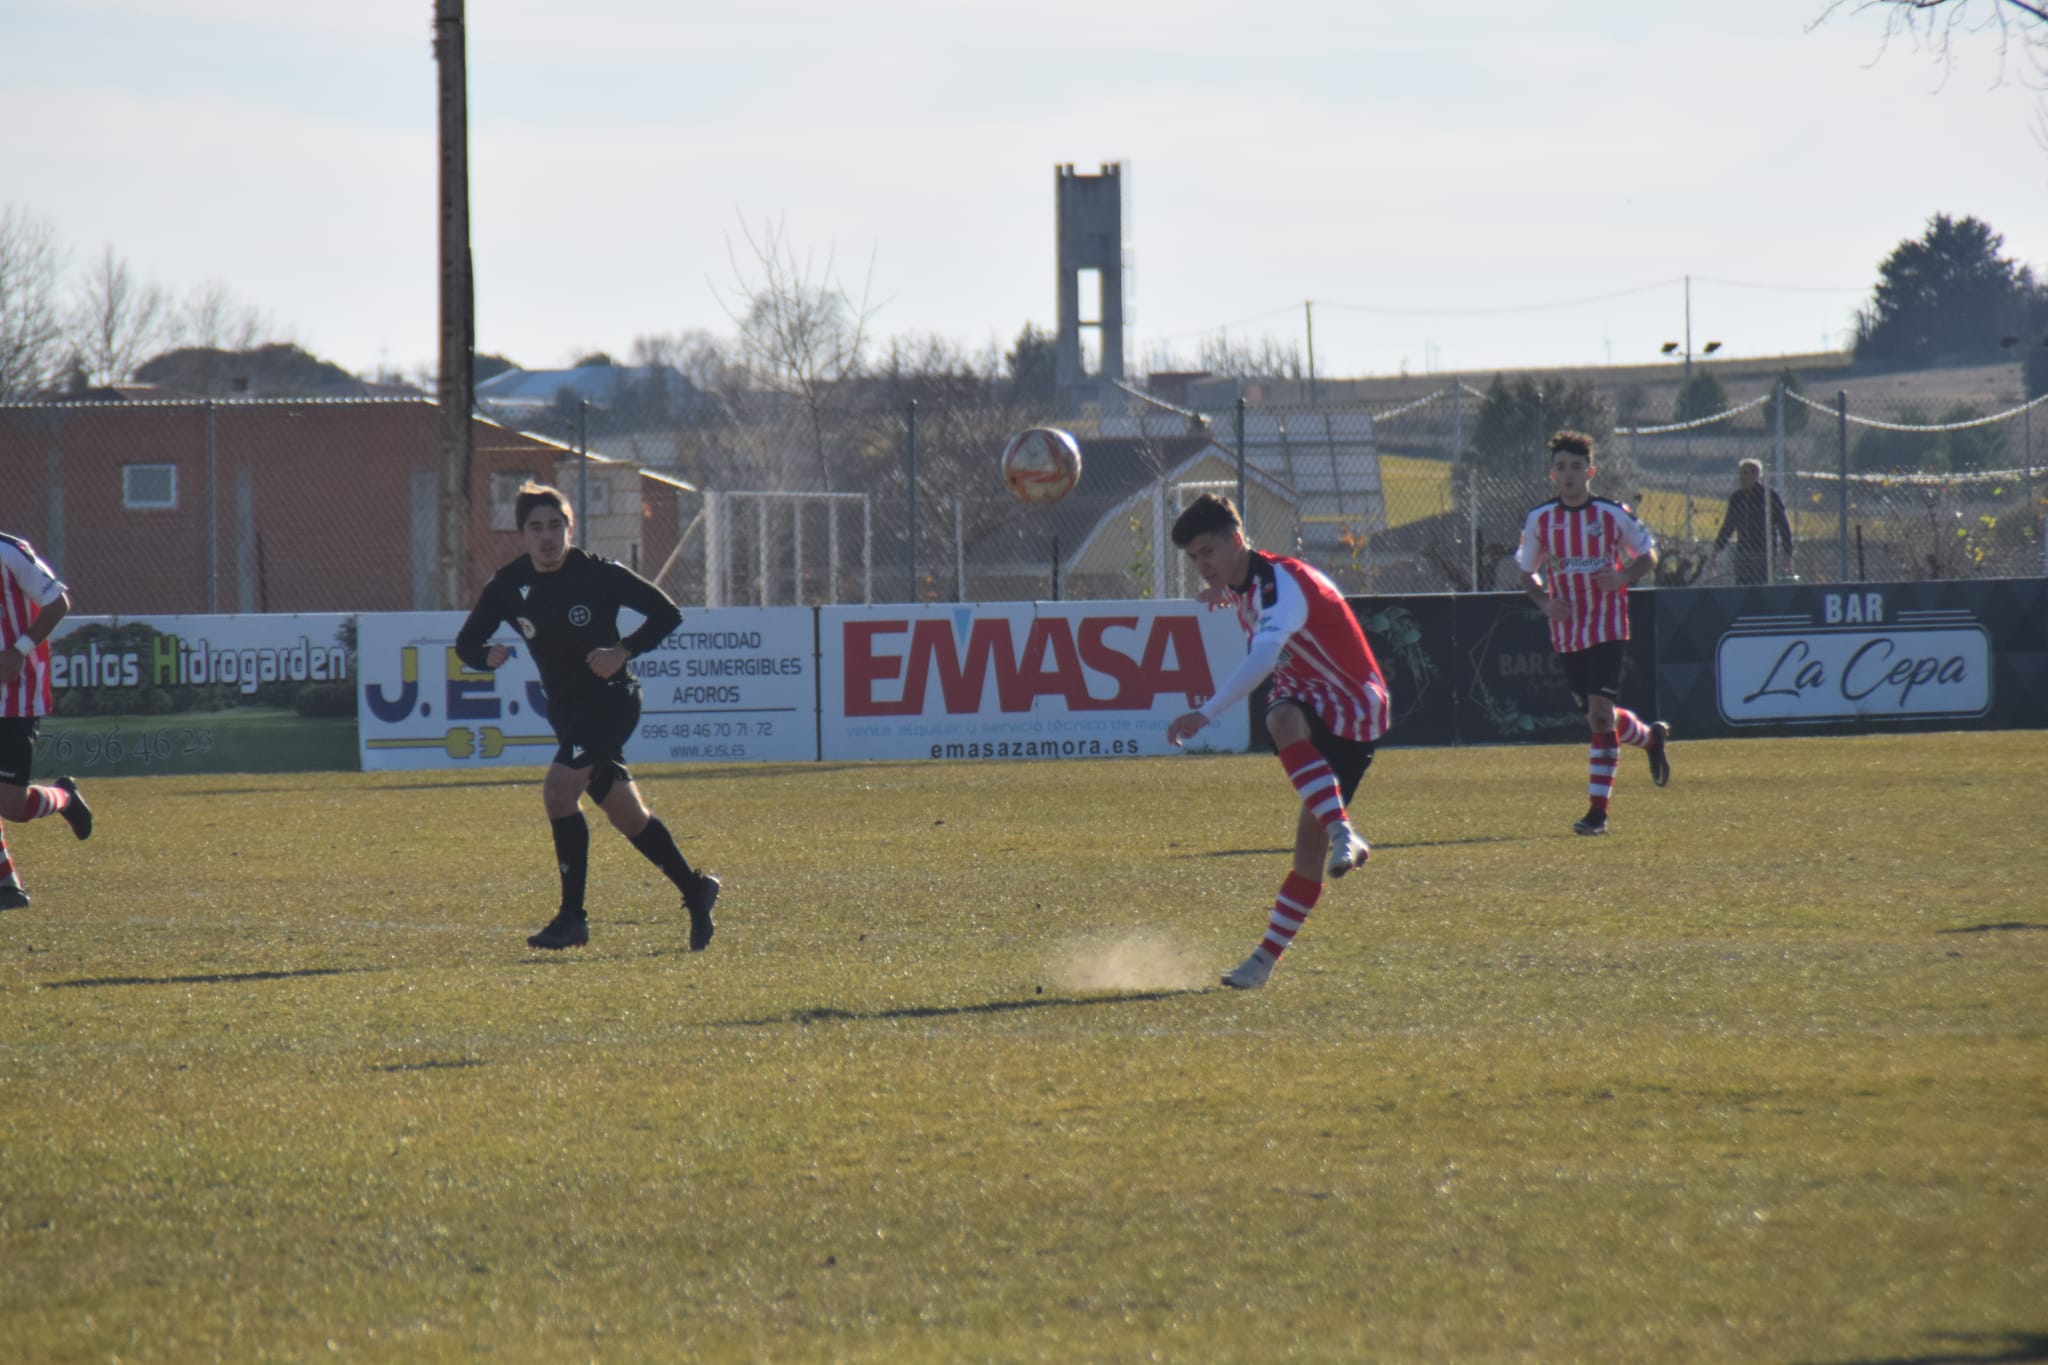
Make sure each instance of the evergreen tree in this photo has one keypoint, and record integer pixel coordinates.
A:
(1947, 293)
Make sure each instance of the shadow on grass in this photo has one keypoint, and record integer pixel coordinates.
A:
(1971, 1348)
(456, 1064)
(2008, 925)
(682, 772)
(1377, 847)
(213, 979)
(825, 1014)
(214, 793)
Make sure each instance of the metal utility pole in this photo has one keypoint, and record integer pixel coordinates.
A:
(1842, 482)
(910, 483)
(456, 392)
(1308, 312)
(1238, 428)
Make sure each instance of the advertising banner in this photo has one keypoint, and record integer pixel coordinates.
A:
(200, 694)
(1415, 640)
(730, 685)
(1022, 679)
(1510, 685)
(1794, 658)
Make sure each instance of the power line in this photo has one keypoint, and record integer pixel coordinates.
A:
(1226, 326)
(1511, 308)
(1785, 288)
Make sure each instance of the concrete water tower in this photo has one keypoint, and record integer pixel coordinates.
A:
(1088, 350)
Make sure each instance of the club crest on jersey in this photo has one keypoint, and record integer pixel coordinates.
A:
(525, 626)
(579, 615)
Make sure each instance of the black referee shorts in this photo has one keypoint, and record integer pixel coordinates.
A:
(591, 730)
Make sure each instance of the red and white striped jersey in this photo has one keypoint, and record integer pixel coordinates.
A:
(27, 585)
(1304, 634)
(1567, 546)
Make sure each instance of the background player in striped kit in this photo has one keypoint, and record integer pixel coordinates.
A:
(32, 602)
(1326, 709)
(1578, 556)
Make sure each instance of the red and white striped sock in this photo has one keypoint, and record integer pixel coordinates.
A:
(1314, 783)
(1630, 730)
(41, 801)
(7, 877)
(1290, 911)
(1600, 769)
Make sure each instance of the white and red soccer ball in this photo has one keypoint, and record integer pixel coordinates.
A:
(1041, 465)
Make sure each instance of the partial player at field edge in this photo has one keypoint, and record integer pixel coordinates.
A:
(32, 601)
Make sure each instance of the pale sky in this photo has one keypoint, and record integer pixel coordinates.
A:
(1448, 183)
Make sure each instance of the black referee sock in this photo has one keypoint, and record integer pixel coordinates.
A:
(658, 846)
(572, 857)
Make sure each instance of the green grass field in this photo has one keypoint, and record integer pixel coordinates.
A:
(1763, 1075)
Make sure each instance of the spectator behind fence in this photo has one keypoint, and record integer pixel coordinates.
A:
(1745, 522)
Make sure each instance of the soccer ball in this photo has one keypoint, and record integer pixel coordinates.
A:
(1041, 465)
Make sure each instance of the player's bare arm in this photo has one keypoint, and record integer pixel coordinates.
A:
(607, 660)
(1638, 569)
(1555, 609)
(12, 661)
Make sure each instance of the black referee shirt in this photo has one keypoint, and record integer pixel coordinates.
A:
(564, 615)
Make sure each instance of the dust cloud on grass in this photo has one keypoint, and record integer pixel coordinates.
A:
(1142, 960)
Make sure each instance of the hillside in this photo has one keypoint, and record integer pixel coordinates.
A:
(1653, 389)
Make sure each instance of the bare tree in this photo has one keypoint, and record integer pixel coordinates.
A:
(1935, 23)
(1264, 358)
(117, 320)
(211, 316)
(802, 337)
(31, 323)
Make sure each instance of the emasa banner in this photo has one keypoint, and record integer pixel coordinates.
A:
(728, 685)
(201, 694)
(1022, 679)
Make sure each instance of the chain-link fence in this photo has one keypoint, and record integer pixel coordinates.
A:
(324, 505)
(1879, 492)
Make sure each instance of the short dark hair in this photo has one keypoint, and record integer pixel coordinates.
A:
(1577, 442)
(533, 495)
(1206, 513)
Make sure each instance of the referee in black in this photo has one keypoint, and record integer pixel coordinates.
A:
(566, 604)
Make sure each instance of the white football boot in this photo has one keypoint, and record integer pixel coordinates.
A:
(1249, 974)
(1347, 850)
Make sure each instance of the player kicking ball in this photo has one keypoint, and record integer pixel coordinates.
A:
(1326, 709)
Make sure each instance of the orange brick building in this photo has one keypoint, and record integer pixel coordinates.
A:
(289, 505)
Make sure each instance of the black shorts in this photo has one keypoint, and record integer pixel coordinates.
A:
(1594, 671)
(17, 749)
(591, 729)
(1348, 758)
